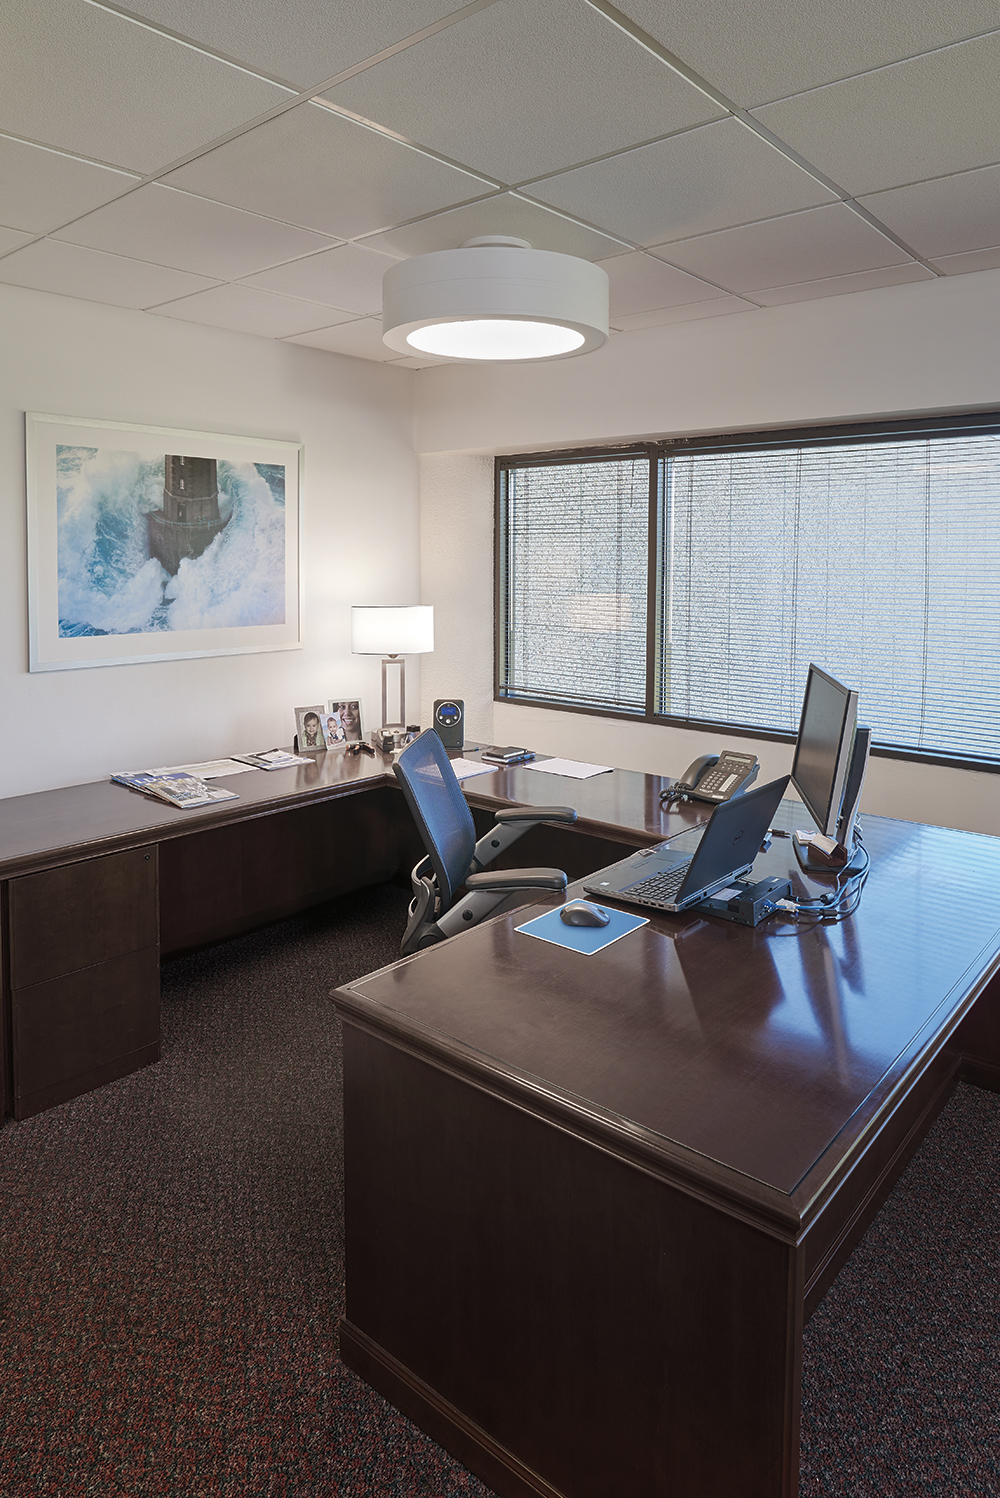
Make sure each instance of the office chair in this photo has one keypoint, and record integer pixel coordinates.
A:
(454, 857)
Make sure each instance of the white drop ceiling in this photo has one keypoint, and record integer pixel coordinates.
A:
(258, 166)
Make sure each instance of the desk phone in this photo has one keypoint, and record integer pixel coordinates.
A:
(716, 777)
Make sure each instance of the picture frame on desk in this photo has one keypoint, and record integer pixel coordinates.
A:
(344, 713)
(310, 729)
(150, 543)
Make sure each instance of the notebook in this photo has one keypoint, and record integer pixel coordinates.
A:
(667, 878)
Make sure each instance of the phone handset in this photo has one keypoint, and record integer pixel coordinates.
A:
(717, 777)
(695, 770)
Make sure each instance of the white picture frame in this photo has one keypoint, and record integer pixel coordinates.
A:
(101, 591)
(347, 712)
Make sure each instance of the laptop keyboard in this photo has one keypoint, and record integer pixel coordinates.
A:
(659, 889)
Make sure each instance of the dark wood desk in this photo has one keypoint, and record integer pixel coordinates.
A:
(99, 884)
(591, 1201)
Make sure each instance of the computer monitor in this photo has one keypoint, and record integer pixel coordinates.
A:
(827, 771)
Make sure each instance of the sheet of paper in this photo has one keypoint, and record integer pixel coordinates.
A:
(586, 939)
(574, 768)
(211, 769)
(464, 768)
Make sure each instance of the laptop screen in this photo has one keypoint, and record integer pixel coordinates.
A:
(733, 836)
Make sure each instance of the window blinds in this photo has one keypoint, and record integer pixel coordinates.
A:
(573, 582)
(878, 560)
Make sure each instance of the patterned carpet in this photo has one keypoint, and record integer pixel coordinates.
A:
(171, 1272)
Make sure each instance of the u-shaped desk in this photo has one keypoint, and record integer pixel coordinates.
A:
(590, 1201)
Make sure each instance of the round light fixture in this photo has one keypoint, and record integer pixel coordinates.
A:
(496, 298)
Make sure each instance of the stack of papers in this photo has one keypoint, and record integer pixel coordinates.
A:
(574, 768)
(175, 787)
(271, 759)
(463, 768)
(209, 769)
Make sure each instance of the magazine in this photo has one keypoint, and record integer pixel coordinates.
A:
(176, 788)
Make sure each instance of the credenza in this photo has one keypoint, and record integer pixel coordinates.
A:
(99, 884)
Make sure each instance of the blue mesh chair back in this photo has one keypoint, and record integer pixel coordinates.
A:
(434, 795)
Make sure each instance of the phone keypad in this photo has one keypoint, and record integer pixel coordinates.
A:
(722, 779)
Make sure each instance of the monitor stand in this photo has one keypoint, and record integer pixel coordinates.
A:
(814, 861)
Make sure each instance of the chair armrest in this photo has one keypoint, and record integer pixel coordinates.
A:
(512, 824)
(536, 814)
(517, 879)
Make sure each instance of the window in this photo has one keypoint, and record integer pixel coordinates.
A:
(575, 560)
(693, 582)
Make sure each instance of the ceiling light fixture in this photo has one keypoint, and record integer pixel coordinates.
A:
(496, 298)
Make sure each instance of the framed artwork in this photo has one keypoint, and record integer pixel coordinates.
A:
(153, 544)
(309, 728)
(346, 711)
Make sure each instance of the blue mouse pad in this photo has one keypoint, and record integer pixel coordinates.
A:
(586, 939)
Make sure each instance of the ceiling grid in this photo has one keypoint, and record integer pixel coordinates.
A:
(258, 169)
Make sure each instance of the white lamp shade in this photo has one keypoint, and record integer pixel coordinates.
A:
(553, 305)
(392, 631)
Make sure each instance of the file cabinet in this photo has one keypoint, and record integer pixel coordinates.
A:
(84, 976)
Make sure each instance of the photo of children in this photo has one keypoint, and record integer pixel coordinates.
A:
(333, 731)
(309, 728)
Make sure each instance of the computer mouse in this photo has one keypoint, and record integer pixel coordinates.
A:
(583, 913)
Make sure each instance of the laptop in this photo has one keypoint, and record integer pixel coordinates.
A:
(670, 878)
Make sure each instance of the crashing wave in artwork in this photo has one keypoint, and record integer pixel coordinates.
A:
(169, 543)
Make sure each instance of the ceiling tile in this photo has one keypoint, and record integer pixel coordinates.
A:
(962, 265)
(41, 189)
(505, 213)
(11, 238)
(247, 311)
(413, 361)
(94, 276)
(946, 216)
(924, 118)
(546, 85)
(641, 284)
(314, 168)
(174, 228)
(766, 49)
(709, 178)
(819, 242)
(865, 280)
(362, 339)
(81, 78)
(348, 277)
(717, 307)
(299, 40)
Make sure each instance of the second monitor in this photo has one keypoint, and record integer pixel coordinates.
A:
(828, 770)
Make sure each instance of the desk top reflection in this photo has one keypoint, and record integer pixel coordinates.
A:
(100, 816)
(759, 1048)
(622, 804)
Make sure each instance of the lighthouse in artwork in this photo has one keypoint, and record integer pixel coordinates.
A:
(189, 521)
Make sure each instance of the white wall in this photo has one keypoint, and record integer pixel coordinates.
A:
(456, 566)
(359, 531)
(929, 347)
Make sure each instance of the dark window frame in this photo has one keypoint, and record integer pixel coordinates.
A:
(657, 452)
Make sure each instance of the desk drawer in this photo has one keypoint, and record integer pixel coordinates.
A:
(81, 914)
(74, 1032)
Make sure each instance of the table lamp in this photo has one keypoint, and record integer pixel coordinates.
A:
(392, 633)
